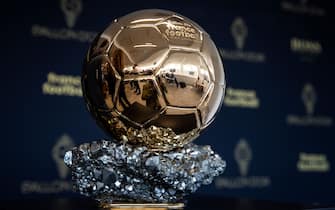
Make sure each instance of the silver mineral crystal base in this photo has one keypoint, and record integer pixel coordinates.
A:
(115, 172)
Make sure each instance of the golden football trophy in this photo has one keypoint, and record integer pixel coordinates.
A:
(153, 80)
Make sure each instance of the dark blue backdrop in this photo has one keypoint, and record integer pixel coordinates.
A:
(276, 128)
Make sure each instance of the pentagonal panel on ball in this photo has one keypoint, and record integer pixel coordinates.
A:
(211, 104)
(138, 50)
(212, 57)
(139, 100)
(100, 82)
(183, 79)
(99, 46)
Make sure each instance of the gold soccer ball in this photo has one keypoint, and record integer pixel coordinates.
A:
(153, 78)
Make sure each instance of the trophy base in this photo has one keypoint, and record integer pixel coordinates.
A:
(119, 173)
(142, 206)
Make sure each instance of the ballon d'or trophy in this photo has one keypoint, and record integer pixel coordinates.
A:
(153, 80)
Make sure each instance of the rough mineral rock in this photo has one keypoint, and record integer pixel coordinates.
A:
(114, 172)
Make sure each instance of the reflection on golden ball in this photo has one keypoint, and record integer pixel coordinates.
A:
(153, 78)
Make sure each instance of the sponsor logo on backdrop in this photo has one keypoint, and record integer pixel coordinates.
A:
(303, 8)
(63, 144)
(58, 151)
(239, 32)
(305, 46)
(313, 162)
(71, 10)
(309, 99)
(307, 49)
(243, 155)
(243, 98)
(62, 85)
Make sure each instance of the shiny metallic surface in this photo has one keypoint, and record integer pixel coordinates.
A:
(115, 173)
(153, 78)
